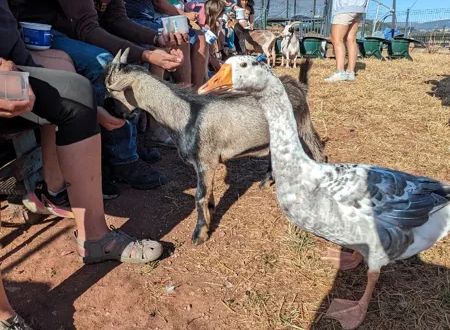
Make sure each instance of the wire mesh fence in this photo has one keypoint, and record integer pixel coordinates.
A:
(314, 17)
(429, 25)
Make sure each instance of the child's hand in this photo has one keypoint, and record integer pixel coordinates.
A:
(6, 65)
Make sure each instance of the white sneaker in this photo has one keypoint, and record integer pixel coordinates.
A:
(337, 76)
(350, 75)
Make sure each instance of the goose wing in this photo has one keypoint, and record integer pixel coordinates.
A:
(402, 200)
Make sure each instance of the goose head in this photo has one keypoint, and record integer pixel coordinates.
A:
(240, 74)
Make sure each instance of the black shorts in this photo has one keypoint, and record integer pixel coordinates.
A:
(66, 100)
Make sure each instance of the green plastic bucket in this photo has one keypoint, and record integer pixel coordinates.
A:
(371, 46)
(399, 48)
(313, 47)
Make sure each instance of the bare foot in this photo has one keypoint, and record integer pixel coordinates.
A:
(348, 312)
(343, 260)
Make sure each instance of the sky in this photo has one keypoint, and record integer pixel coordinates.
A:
(402, 5)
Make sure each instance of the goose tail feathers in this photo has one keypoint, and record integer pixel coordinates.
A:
(303, 73)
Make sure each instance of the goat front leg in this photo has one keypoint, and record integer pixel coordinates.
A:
(282, 60)
(203, 204)
(295, 61)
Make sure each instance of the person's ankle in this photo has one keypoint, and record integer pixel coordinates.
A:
(91, 235)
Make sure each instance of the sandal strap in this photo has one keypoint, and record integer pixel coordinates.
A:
(118, 245)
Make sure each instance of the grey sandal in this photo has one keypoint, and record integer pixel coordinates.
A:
(14, 323)
(117, 245)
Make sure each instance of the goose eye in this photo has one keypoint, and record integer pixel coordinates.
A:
(243, 65)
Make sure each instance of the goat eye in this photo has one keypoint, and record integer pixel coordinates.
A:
(255, 63)
(243, 65)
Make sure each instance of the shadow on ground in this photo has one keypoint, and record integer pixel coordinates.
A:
(411, 294)
(441, 89)
(151, 214)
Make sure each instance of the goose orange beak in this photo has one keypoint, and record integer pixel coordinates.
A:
(222, 81)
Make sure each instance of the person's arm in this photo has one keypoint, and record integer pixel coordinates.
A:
(11, 45)
(164, 7)
(83, 16)
(115, 19)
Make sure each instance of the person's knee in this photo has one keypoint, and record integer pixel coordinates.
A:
(80, 122)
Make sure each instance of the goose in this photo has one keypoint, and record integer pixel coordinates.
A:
(382, 214)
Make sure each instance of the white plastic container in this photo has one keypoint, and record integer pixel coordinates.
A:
(210, 37)
(240, 13)
(36, 36)
(174, 24)
(14, 85)
(166, 24)
(179, 24)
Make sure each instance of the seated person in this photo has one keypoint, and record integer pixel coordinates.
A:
(77, 145)
(90, 34)
(214, 10)
(149, 12)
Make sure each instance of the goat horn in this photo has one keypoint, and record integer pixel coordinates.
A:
(124, 57)
(116, 59)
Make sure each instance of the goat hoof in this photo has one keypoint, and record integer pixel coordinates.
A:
(200, 235)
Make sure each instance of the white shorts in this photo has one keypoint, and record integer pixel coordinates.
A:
(346, 18)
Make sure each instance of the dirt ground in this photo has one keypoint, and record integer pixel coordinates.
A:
(256, 271)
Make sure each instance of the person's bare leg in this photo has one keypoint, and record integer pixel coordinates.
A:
(199, 60)
(6, 311)
(183, 73)
(352, 46)
(80, 165)
(352, 313)
(338, 33)
(51, 169)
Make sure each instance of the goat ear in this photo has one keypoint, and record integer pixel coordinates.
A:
(124, 57)
(116, 59)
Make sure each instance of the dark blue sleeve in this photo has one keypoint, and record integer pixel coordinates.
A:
(11, 45)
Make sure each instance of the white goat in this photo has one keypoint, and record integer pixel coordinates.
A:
(290, 46)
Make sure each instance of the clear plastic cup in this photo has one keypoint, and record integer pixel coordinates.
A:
(166, 24)
(179, 24)
(240, 13)
(14, 85)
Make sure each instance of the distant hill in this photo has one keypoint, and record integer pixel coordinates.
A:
(432, 25)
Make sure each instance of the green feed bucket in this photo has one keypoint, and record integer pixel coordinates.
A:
(313, 47)
(371, 46)
(399, 48)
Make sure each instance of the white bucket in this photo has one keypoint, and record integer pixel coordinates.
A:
(36, 36)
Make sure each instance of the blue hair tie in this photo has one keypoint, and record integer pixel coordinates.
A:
(261, 58)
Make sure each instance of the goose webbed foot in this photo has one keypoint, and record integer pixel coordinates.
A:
(352, 313)
(343, 260)
(349, 313)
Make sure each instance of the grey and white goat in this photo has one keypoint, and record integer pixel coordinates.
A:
(207, 130)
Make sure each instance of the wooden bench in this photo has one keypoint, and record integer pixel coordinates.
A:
(21, 164)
